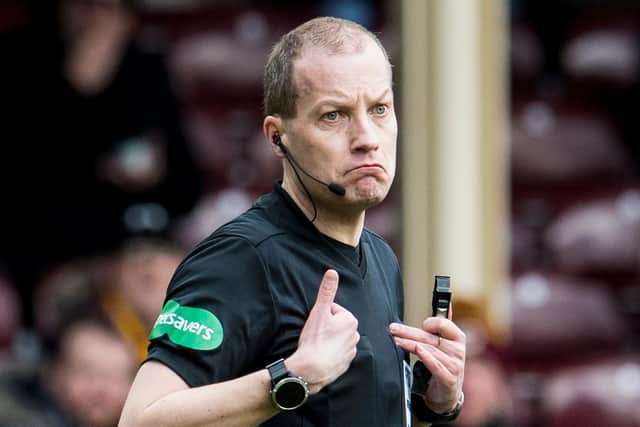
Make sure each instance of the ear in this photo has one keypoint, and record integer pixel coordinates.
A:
(273, 128)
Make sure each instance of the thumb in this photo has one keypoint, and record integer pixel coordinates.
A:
(327, 290)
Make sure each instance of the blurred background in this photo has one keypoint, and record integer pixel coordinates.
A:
(131, 129)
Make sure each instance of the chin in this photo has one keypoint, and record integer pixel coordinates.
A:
(370, 198)
(368, 192)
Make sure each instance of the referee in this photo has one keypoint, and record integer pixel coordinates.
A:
(290, 315)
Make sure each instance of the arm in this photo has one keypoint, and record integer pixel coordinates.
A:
(159, 397)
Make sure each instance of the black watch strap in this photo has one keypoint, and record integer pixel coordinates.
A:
(277, 371)
(421, 377)
(424, 413)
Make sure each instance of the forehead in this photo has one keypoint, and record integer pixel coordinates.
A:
(82, 334)
(358, 71)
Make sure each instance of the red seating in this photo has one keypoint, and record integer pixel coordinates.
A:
(553, 143)
(558, 317)
(604, 393)
(600, 234)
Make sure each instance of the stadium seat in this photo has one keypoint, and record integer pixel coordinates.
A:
(555, 143)
(557, 318)
(602, 393)
(600, 234)
(600, 47)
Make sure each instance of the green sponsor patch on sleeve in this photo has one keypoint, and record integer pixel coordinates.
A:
(190, 327)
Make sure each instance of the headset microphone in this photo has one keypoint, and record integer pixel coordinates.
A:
(336, 189)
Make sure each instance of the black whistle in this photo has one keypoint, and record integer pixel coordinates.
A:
(441, 296)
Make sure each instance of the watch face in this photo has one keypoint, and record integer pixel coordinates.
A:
(290, 393)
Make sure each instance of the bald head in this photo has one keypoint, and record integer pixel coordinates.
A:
(331, 36)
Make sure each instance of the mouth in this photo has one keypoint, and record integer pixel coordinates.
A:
(367, 167)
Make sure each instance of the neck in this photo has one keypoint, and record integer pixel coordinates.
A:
(342, 225)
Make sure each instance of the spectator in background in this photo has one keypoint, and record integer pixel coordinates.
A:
(85, 384)
(129, 288)
(94, 145)
(134, 299)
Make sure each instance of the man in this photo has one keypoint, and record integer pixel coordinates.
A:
(247, 336)
(93, 371)
(133, 299)
(84, 383)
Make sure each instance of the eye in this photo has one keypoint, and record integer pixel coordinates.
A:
(331, 116)
(380, 109)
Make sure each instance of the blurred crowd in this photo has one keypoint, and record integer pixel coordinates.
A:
(132, 129)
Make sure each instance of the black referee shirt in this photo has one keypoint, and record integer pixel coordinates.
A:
(240, 299)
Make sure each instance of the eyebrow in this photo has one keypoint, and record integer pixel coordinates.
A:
(341, 100)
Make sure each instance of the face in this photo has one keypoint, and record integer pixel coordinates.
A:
(345, 127)
(143, 279)
(92, 386)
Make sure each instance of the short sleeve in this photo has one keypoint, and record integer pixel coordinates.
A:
(218, 316)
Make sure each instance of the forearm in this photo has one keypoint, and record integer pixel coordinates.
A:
(239, 402)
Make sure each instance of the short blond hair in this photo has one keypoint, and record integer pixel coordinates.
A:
(333, 35)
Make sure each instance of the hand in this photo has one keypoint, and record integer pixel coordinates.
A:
(327, 344)
(440, 345)
(95, 41)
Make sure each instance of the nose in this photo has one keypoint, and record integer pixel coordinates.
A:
(364, 133)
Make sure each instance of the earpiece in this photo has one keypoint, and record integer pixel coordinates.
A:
(277, 141)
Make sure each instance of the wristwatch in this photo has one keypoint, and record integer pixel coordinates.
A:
(288, 391)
